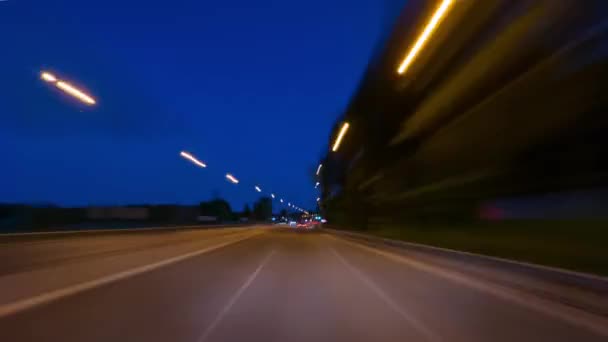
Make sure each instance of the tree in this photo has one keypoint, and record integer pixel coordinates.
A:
(218, 208)
(262, 209)
(246, 211)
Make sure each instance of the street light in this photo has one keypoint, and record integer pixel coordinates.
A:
(340, 136)
(77, 93)
(281, 200)
(319, 168)
(192, 159)
(318, 199)
(272, 195)
(48, 77)
(232, 179)
(317, 184)
(428, 30)
(257, 188)
(67, 88)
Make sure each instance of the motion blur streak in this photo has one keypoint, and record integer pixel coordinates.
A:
(192, 159)
(340, 136)
(48, 77)
(230, 285)
(428, 30)
(232, 178)
(504, 124)
(77, 93)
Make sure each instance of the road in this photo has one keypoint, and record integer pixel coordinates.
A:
(255, 285)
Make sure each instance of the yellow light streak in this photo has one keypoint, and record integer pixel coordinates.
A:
(77, 93)
(428, 30)
(340, 136)
(48, 77)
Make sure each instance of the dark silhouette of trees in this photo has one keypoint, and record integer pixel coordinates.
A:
(246, 212)
(218, 208)
(262, 209)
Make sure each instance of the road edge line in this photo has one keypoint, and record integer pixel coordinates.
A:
(591, 322)
(430, 248)
(54, 295)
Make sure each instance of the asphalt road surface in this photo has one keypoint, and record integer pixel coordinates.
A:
(261, 285)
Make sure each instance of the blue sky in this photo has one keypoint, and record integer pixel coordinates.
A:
(250, 87)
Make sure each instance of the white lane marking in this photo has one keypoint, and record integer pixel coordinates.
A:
(220, 316)
(408, 317)
(576, 317)
(45, 298)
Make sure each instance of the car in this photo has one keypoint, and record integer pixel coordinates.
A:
(306, 224)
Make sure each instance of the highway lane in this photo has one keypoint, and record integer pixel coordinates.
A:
(286, 286)
(20, 252)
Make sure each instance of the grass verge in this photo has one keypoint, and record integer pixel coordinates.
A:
(575, 245)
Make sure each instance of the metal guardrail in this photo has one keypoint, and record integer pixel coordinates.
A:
(124, 230)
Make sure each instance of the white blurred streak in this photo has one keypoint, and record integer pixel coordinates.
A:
(48, 77)
(192, 159)
(232, 179)
(75, 92)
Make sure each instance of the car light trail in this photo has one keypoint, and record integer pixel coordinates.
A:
(428, 30)
(257, 188)
(319, 168)
(77, 93)
(232, 179)
(340, 136)
(192, 159)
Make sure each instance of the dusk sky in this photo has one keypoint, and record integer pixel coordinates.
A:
(249, 87)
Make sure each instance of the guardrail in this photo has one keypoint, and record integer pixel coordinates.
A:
(92, 230)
